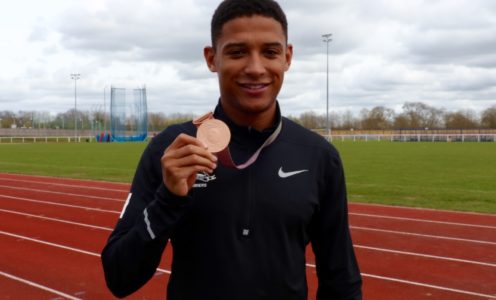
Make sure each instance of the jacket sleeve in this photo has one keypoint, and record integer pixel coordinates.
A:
(134, 249)
(337, 268)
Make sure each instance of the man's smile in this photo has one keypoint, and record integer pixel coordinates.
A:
(254, 87)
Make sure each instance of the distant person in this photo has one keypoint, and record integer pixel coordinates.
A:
(239, 228)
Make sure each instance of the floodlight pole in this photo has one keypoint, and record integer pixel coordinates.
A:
(75, 77)
(326, 39)
(104, 111)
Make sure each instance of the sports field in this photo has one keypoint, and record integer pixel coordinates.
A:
(453, 176)
(53, 228)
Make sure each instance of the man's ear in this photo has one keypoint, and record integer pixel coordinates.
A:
(289, 56)
(209, 54)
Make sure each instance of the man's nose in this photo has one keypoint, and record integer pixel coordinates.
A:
(255, 65)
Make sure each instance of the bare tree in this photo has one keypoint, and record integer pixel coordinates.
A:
(465, 119)
(379, 117)
(421, 115)
(349, 121)
(309, 120)
(8, 118)
(488, 117)
(156, 121)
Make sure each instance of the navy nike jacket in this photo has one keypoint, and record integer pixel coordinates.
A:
(240, 234)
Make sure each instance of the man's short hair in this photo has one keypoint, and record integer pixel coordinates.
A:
(232, 9)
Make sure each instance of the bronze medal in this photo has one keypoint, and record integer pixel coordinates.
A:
(214, 134)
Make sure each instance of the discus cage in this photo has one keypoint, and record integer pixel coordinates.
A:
(128, 114)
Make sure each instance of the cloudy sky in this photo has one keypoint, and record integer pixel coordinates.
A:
(383, 52)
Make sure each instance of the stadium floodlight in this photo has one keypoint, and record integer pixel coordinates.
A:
(104, 110)
(326, 39)
(75, 77)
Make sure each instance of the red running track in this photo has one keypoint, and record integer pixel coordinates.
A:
(53, 230)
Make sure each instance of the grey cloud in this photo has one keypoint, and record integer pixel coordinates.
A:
(154, 34)
(465, 47)
(384, 52)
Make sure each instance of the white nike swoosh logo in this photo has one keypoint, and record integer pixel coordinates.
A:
(283, 174)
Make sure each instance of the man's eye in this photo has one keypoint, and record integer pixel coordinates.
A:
(271, 52)
(235, 53)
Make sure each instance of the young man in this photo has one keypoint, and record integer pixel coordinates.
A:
(239, 233)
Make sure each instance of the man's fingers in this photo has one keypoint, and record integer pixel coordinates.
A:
(189, 150)
(188, 161)
(185, 145)
(184, 139)
(182, 160)
(183, 173)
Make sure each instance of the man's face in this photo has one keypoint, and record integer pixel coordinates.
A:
(250, 58)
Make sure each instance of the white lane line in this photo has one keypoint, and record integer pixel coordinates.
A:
(39, 286)
(71, 185)
(52, 178)
(61, 193)
(308, 265)
(55, 219)
(422, 220)
(60, 204)
(424, 235)
(437, 287)
(61, 246)
(422, 209)
(356, 246)
(49, 243)
(427, 256)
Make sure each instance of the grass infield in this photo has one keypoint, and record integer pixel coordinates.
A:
(454, 176)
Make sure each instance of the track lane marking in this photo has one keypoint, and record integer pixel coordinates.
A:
(426, 256)
(127, 190)
(39, 286)
(393, 207)
(437, 287)
(308, 265)
(353, 227)
(61, 193)
(422, 220)
(72, 185)
(52, 178)
(399, 280)
(55, 219)
(356, 245)
(59, 204)
(61, 246)
(424, 235)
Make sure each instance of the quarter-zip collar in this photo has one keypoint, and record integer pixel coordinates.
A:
(246, 131)
(245, 140)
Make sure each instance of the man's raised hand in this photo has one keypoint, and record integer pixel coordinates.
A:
(182, 160)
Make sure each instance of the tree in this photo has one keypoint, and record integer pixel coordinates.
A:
(379, 117)
(465, 119)
(8, 118)
(156, 121)
(309, 120)
(348, 121)
(401, 121)
(421, 115)
(488, 117)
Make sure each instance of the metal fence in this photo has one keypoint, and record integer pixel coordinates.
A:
(46, 139)
(67, 136)
(416, 137)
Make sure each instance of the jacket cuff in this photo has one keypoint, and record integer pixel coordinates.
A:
(169, 199)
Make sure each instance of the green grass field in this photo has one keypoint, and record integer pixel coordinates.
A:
(105, 161)
(455, 176)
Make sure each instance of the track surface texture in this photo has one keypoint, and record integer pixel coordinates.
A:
(52, 231)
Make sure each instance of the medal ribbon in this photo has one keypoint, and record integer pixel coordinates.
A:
(225, 156)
